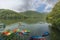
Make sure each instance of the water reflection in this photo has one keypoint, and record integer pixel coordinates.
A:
(55, 34)
(36, 29)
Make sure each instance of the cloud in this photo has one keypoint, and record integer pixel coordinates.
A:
(23, 5)
(48, 8)
(52, 1)
(41, 8)
(43, 5)
(12, 4)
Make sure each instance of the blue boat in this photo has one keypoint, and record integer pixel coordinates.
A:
(37, 38)
(45, 34)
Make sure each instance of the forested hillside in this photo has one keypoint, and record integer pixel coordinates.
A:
(54, 16)
(33, 16)
(9, 16)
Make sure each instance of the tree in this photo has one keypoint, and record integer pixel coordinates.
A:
(54, 16)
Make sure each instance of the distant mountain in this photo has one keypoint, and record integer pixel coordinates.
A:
(32, 14)
(9, 16)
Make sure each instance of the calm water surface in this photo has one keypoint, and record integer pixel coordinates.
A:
(36, 29)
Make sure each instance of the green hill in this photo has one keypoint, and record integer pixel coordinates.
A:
(54, 19)
(9, 16)
(33, 16)
(54, 16)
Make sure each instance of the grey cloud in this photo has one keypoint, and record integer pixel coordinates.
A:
(23, 5)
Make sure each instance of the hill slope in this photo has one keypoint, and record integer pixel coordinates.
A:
(9, 14)
(54, 16)
(33, 16)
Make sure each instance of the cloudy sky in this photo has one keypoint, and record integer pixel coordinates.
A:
(23, 5)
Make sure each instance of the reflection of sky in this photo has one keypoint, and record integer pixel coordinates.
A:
(23, 5)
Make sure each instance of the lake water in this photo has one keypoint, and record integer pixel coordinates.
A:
(36, 29)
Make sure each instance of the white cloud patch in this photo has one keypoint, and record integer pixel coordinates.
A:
(11, 4)
(23, 5)
(49, 4)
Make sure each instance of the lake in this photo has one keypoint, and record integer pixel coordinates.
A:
(36, 29)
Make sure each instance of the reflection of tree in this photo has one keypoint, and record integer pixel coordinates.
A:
(55, 34)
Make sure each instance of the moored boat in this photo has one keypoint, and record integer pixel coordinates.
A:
(37, 38)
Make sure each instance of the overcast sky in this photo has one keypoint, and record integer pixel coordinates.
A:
(23, 5)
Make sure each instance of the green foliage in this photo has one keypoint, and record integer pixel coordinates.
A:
(9, 16)
(54, 34)
(54, 16)
(33, 16)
